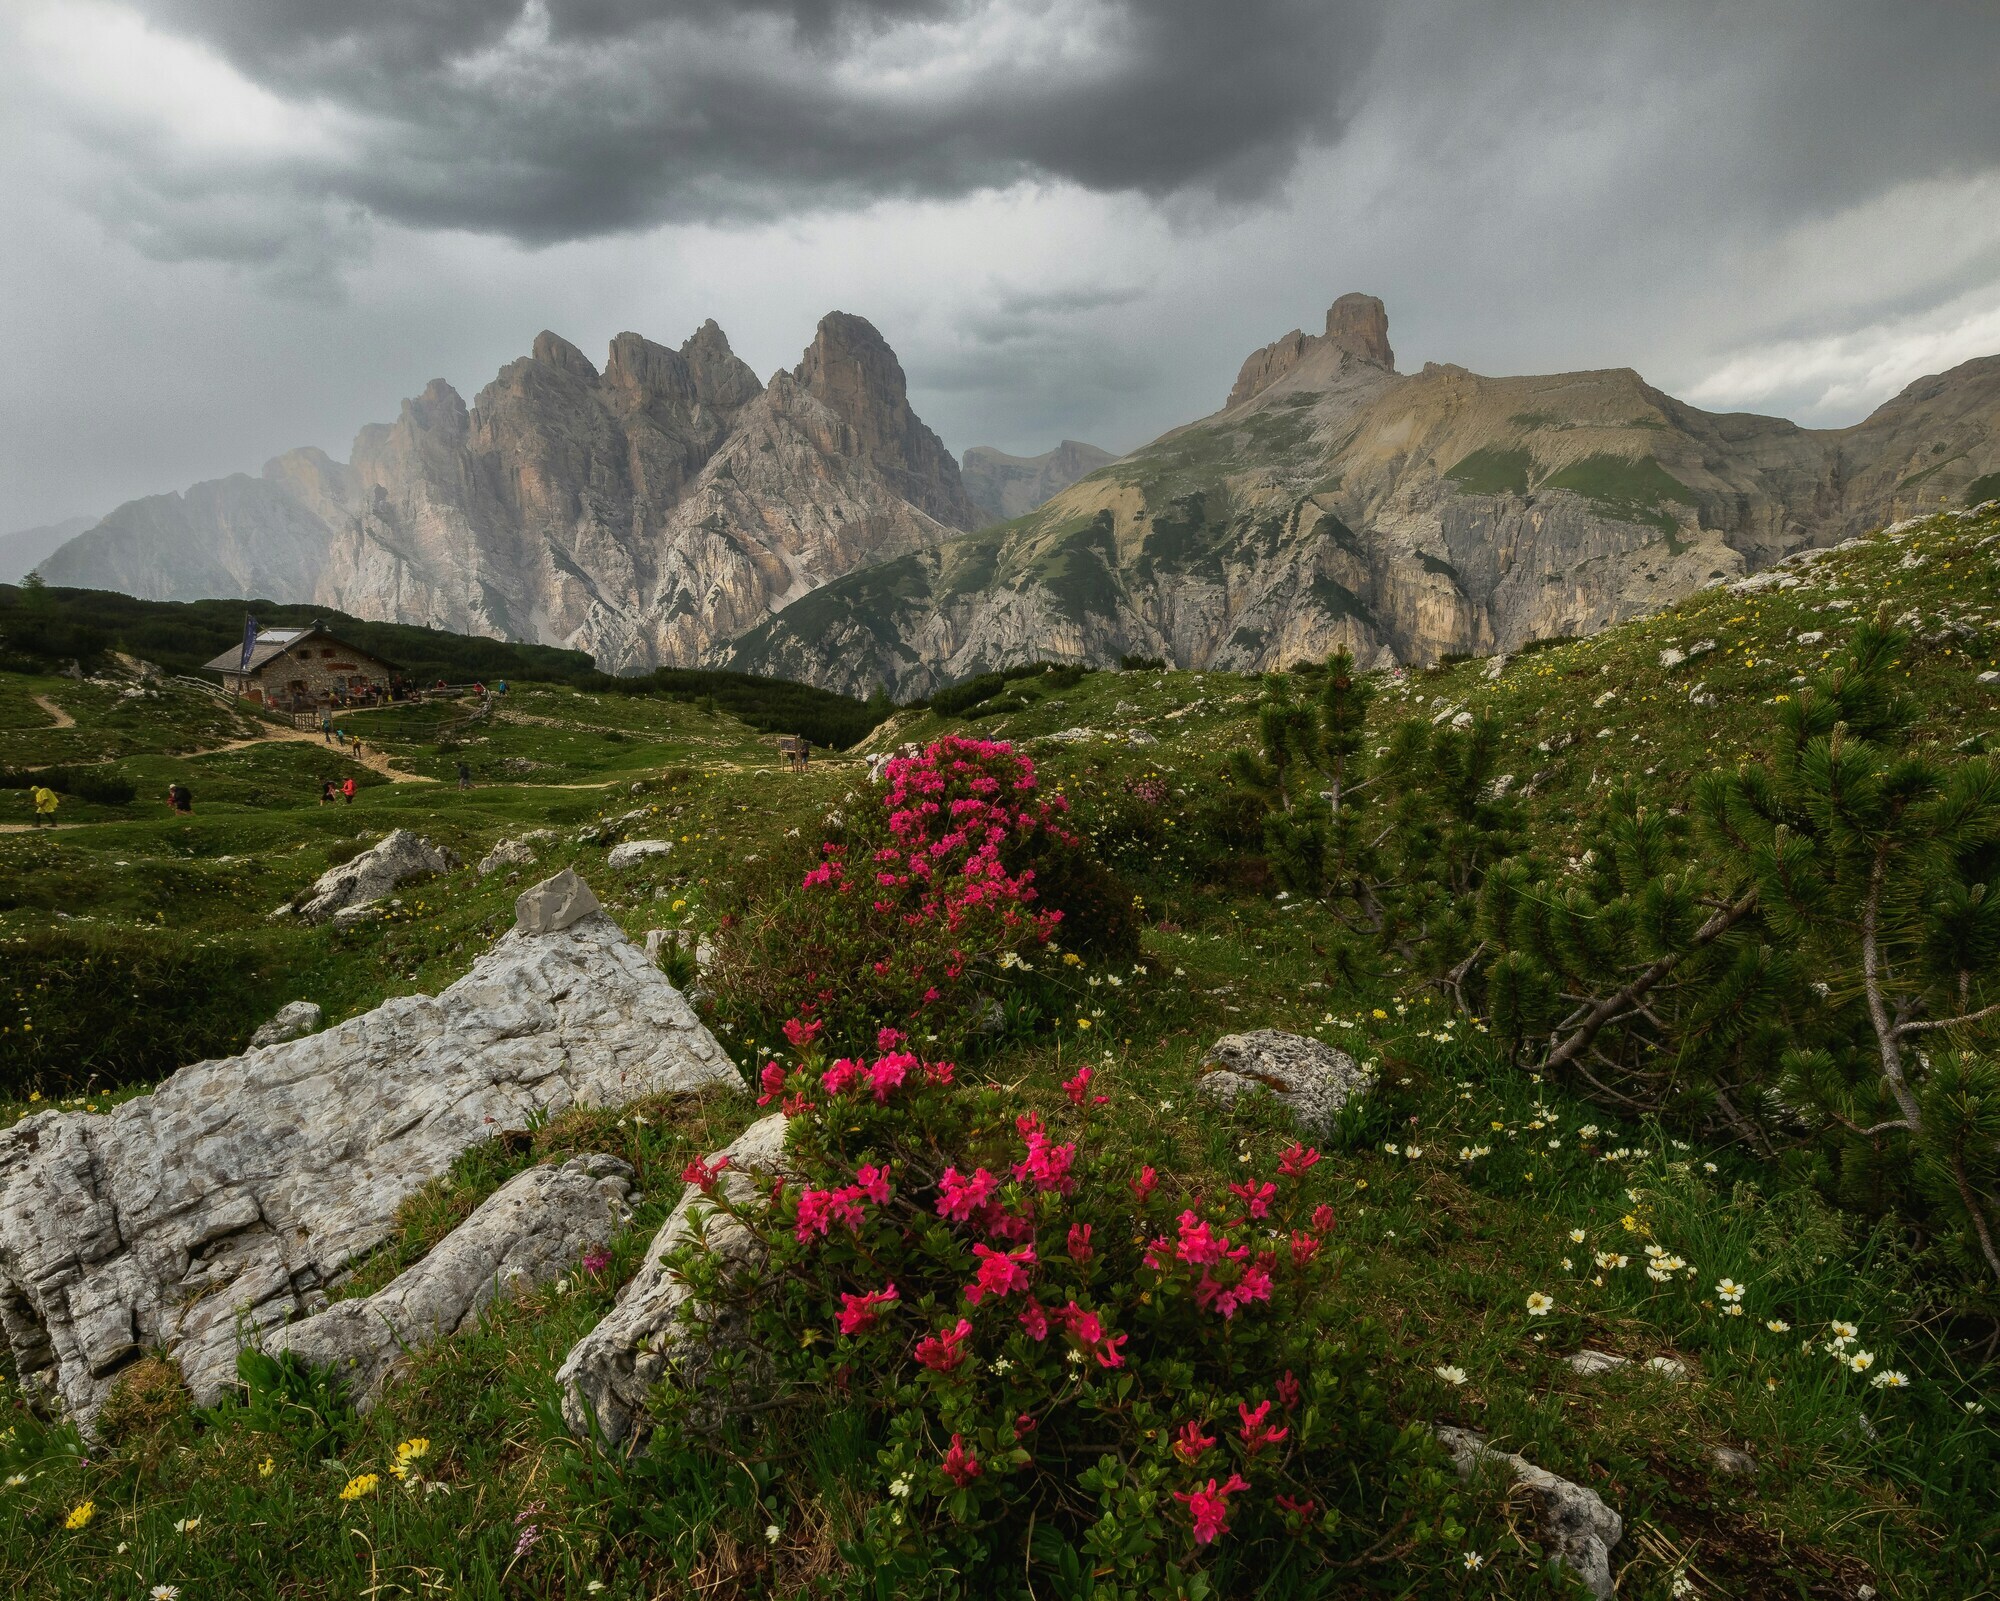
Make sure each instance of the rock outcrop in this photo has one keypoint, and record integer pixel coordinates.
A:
(1311, 1081)
(398, 858)
(1004, 486)
(215, 1207)
(645, 513)
(508, 853)
(1577, 1528)
(1337, 503)
(1357, 328)
(607, 1375)
(531, 1230)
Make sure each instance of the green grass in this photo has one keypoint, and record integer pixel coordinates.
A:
(1630, 490)
(1493, 471)
(1440, 1251)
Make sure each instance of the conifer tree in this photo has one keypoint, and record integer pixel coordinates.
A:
(1825, 947)
(1308, 773)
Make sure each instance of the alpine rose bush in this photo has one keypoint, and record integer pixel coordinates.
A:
(1042, 1359)
(928, 906)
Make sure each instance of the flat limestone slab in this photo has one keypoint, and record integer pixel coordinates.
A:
(606, 1376)
(217, 1206)
(529, 1231)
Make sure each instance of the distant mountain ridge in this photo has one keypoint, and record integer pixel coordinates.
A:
(1004, 486)
(646, 513)
(21, 550)
(1336, 502)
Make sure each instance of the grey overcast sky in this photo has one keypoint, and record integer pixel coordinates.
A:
(235, 226)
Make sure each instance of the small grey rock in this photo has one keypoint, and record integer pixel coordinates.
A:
(288, 1023)
(1313, 1081)
(354, 916)
(1578, 1529)
(1727, 1459)
(1140, 738)
(508, 853)
(554, 904)
(635, 851)
(1592, 1362)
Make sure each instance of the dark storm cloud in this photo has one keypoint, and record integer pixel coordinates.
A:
(562, 119)
(1779, 205)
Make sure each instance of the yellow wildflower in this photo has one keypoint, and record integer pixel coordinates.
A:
(80, 1514)
(266, 1468)
(358, 1486)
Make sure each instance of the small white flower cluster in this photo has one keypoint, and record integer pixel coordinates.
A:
(1663, 1265)
(1842, 1335)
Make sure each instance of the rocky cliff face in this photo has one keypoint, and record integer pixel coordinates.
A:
(1334, 502)
(646, 513)
(1004, 486)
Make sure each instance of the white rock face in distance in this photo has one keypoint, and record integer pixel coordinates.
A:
(396, 860)
(606, 1376)
(239, 1187)
(528, 1232)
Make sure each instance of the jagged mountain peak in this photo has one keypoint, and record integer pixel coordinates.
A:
(850, 369)
(1360, 324)
(646, 512)
(552, 350)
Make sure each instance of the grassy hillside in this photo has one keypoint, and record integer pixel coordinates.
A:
(1463, 1184)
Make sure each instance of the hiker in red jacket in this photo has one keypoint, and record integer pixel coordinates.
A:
(347, 791)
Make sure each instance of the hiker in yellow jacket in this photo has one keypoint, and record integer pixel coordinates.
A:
(46, 802)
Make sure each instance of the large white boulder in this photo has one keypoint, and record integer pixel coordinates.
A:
(221, 1202)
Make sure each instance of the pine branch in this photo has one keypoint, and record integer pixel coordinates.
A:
(1608, 1009)
(1949, 1022)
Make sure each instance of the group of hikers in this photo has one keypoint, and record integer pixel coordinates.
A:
(180, 800)
(341, 738)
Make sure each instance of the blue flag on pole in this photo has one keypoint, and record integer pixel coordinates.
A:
(249, 640)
